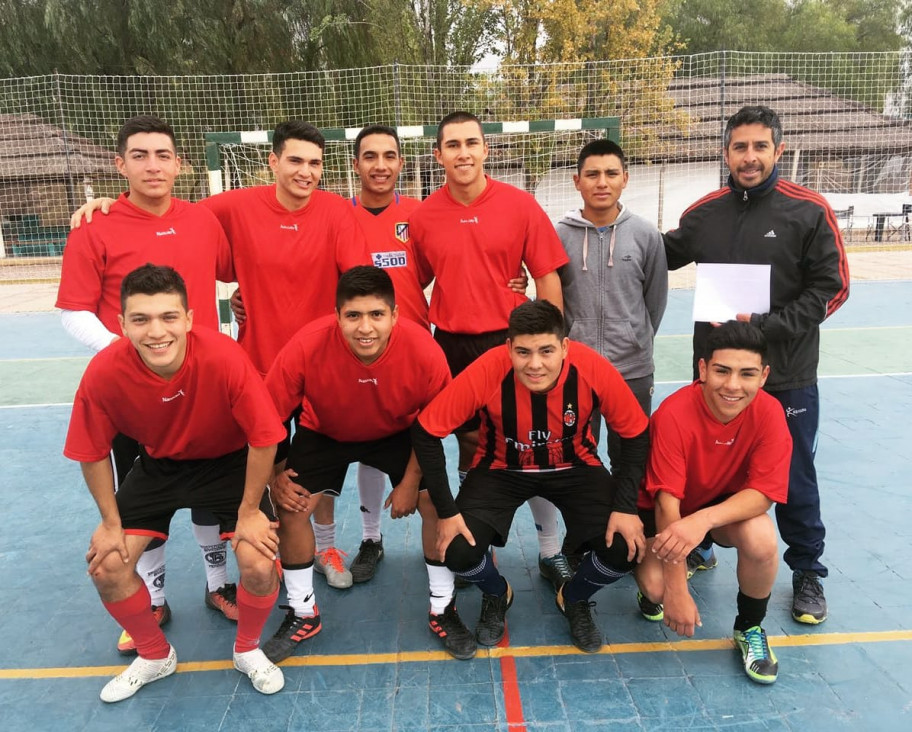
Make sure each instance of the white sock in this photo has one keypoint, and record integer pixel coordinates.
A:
(151, 568)
(371, 484)
(299, 584)
(545, 514)
(324, 535)
(441, 583)
(214, 555)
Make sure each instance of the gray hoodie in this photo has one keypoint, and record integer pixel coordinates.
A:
(615, 288)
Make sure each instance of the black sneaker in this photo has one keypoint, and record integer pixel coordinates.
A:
(760, 662)
(586, 635)
(291, 632)
(700, 559)
(555, 569)
(652, 611)
(808, 605)
(492, 623)
(457, 638)
(365, 565)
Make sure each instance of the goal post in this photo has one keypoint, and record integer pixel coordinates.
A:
(536, 155)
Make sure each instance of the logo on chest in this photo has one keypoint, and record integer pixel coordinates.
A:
(401, 230)
(388, 260)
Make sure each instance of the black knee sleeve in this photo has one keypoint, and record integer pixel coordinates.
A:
(614, 556)
(462, 556)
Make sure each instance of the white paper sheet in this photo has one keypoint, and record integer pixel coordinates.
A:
(724, 290)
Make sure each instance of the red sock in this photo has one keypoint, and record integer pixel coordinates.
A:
(135, 616)
(253, 611)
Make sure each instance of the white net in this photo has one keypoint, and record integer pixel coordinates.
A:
(847, 119)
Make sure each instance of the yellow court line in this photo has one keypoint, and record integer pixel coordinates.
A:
(355, 659)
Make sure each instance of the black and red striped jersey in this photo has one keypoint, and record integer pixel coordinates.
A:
(525, 430)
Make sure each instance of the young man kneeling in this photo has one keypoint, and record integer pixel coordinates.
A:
(720, 458)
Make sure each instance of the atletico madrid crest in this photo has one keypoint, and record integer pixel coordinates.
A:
(402, 231)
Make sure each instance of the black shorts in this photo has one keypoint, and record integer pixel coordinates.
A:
(460, 350)
(157, 487)
(321, 462)
(124, 451)
(584, 495)
(290, 425)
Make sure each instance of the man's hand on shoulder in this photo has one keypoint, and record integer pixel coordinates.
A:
(87, 209)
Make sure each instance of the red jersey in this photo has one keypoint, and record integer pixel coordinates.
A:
(475, 250)
(286, 262)
(99, 255)
(698, 459)
(348, 400)
(391, 249)
(524, 430)
(215, 404)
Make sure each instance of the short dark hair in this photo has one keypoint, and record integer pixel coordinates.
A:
(152, 279)
(536, 317)
(377, 130)
(365, 281)
(295, 129)
(455, 118)
(752, 115)
(142, 123)
(598, 147)
(736, 335)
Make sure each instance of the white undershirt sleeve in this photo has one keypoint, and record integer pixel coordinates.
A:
(86, 328)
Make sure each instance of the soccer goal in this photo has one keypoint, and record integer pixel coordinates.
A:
(537, 156)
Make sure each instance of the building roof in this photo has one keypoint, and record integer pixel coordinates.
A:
(30, 147)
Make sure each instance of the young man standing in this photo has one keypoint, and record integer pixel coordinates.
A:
(537, 395)
(160, 375)
(616, 284)
(761, 219)
(147, 224)
(360, 378)
(472, 236)
(719, 460)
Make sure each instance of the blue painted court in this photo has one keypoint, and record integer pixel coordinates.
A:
(375, 666)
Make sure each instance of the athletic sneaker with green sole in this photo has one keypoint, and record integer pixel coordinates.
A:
(700, 559)
(652, 611)
(808, 604)
(760, 663)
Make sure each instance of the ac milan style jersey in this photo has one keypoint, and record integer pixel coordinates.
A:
(215, 404)
(99, 255)
(286, 262)
(524, 430)
(697, 459)
(350, 401)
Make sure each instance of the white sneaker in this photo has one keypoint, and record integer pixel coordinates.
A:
(329, 563)
(267, 678)
(139, 673)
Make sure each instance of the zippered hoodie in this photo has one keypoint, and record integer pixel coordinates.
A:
(615, 288)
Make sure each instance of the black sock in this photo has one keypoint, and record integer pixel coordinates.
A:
(751, 611)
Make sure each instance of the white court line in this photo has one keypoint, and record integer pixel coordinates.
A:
(658, 383)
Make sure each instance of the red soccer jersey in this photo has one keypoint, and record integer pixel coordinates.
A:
(99, 255)
(523, 430)
(698, 459)
(391, 249)
(475, 250)
(347, 400)
(286, 262)
(215, 404)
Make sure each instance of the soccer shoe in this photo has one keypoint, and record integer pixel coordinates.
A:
(457, 638)
(492, 623)
(369, 555)
(125, 644)
(700, 559)
(555, 569)
(586, 635)
(652, 611)
(267, 678)
(291, 632)
(224, 599)
(808, 605)
(139, 673)
(329, 563)
(760, 662)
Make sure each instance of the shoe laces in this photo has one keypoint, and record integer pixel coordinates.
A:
(756, 642)
(369, 549)
(809, 588)
(560, 565)
(291, 620)
(333, 557)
